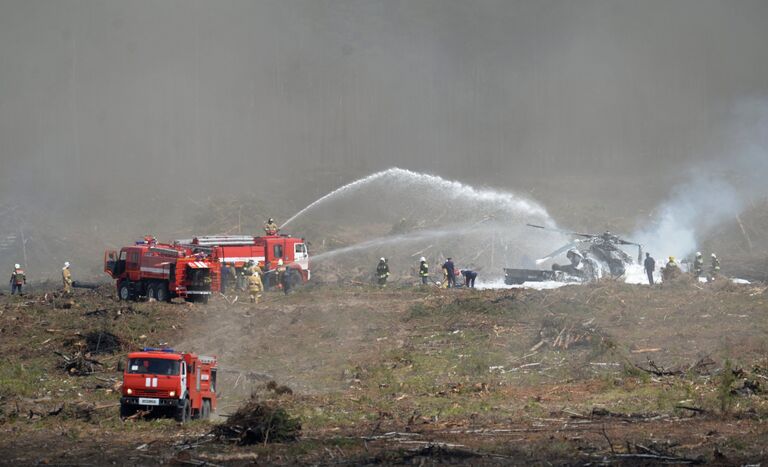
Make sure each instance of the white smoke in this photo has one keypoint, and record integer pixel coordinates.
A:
(715, 193)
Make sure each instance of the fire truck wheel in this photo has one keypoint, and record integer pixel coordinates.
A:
(161, 293)
(124, 291)
(294, 278)
(184, 413)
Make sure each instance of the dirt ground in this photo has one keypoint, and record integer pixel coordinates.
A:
(602, 374)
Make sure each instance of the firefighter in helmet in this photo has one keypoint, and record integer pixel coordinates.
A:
(66, 278)
(18, 278)
(670, 271)
(270, 227)
(714, 267)
(698, 265)
(284, 276)
(255, 286)
(382, 272)
(423, 270)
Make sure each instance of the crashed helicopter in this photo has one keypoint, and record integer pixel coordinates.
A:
(583, 252)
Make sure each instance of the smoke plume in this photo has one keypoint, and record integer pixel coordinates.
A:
(716, 192)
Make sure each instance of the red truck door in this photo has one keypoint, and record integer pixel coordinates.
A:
(274, 251)
(132, 264)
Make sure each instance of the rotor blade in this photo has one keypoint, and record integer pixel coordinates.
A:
(626, 242)
(560, 250)
(566, 232)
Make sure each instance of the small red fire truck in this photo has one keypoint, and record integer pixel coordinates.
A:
(166, 382)
(162, 271)
(265, 251)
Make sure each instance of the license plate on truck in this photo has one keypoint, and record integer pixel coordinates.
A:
(148, 401)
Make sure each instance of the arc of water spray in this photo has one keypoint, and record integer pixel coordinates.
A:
(451, 189)
(338, 191)
(395, 239)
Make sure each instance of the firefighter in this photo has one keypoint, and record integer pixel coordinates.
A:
(650, 266)
(450, 272)
(671, 270)
(382, 272)
(270, 227)
(469, 278)
(714, 267)
(250, 268)
(423, 270)
(255, 286)
(698, 265)
(283, 276)
(18, 278)
(245, 272)
(66, 278)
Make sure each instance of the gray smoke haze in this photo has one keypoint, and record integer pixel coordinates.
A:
(717, 191)
(116, 116)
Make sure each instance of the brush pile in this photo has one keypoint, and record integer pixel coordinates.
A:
(102, 342)
(79, 363)
(560, 334)
(258, 422)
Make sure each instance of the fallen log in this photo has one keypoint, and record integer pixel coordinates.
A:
(654, 457)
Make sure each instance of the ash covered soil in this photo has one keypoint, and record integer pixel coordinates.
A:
(604, 373)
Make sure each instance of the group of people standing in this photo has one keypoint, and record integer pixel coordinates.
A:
(672, 270)
(448, 268)
(250, 278)
(19, 279)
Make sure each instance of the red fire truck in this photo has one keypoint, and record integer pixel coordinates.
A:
(264, 251)
(166, 382)
(162, 271)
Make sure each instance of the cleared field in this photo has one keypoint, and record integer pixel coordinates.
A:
(583, 374)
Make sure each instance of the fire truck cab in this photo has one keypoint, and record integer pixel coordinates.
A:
(166, 382)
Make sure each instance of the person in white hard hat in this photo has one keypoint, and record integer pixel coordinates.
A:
(698, 265)
(66, 278)
(18, 279)
(283, 276)
(424, 270)
(714, 268)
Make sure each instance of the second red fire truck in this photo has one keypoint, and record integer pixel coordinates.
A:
(166, 382)
(266, 252)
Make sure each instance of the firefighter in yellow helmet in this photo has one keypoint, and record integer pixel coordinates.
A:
(670, 271)
(66, 278)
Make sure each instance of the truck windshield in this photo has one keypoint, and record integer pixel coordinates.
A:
(155, 366)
